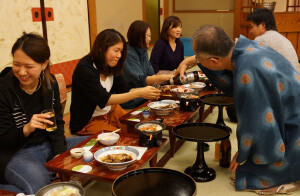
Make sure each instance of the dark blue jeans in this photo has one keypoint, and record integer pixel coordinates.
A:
(26, 171)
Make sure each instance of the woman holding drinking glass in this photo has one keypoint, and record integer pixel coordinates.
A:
(26, 89)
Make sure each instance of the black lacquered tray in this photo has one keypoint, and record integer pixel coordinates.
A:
(217, 99)
(154, 182)
(204, 132)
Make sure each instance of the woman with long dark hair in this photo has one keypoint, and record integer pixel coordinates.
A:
(98, 86)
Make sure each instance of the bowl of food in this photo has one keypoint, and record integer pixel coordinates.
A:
(197, 86)
(162, 108)
(116, 157)
(71, 188)
(150, 128)
(183, 90)
(108, 139)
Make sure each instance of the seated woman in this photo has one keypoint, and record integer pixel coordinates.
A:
(26, 89)
(98, 86)
(138, 71)
(167, 52)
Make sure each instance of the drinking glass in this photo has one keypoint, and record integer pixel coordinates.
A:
(50, 127)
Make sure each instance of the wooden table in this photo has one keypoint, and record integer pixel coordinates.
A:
(64, 163)
(172, 120)
(7, 193)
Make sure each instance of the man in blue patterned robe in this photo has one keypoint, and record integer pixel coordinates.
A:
(266, 90)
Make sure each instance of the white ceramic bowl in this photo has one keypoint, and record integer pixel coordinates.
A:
(99, 154)
(77, 152)
(157, 107)
(197, 86)
(108, 139)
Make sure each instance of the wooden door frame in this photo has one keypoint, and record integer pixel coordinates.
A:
(92, 20)
(166, 9)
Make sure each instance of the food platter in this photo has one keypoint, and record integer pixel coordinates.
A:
(104, 152)
(161, 107)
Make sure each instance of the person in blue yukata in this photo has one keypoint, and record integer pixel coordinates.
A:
(266, 90)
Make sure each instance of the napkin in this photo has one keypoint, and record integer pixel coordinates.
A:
(141, 150)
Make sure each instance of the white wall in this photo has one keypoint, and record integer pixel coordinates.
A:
(68, 34)
(118, 14)
(15, 18)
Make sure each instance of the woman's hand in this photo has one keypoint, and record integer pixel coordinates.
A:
(234, 164)
(149, 92)
(37, 121)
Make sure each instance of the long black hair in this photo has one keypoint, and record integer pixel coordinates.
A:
(103, 41)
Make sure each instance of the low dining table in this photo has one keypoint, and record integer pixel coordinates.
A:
(64, 163)
(175, 118)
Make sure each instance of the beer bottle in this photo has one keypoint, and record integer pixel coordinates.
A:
(195, 76)
(225, 153)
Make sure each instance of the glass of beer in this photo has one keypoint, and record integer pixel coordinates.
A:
(50, 127)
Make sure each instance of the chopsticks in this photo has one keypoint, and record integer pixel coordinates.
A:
(104, 136)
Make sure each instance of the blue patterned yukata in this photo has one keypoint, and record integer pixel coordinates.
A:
(266, 90)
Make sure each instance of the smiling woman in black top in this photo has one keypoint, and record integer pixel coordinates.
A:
(26, 89)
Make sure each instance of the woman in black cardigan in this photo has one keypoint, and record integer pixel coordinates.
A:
(98, 86)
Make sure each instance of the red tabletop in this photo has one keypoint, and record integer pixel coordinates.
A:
(64, 163)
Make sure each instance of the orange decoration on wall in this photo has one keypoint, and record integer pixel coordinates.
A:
(261, 44)
(269, 117)
(282, 147)
(249, 49)
(245, 79)
(268, 64)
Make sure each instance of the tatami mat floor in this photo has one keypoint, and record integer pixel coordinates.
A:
(185, 157)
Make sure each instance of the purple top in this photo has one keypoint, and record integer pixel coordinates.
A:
(164, 58)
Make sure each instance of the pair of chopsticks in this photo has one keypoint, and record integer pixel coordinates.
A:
(107, 135)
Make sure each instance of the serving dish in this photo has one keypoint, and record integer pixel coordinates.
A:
(62, 188)
(101, 153)
(183, 91)
(197, 86)
(162, 108)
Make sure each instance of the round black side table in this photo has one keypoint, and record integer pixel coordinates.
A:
(200, 133)
(219, 100)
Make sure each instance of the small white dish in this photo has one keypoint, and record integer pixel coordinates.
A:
(77, 152)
